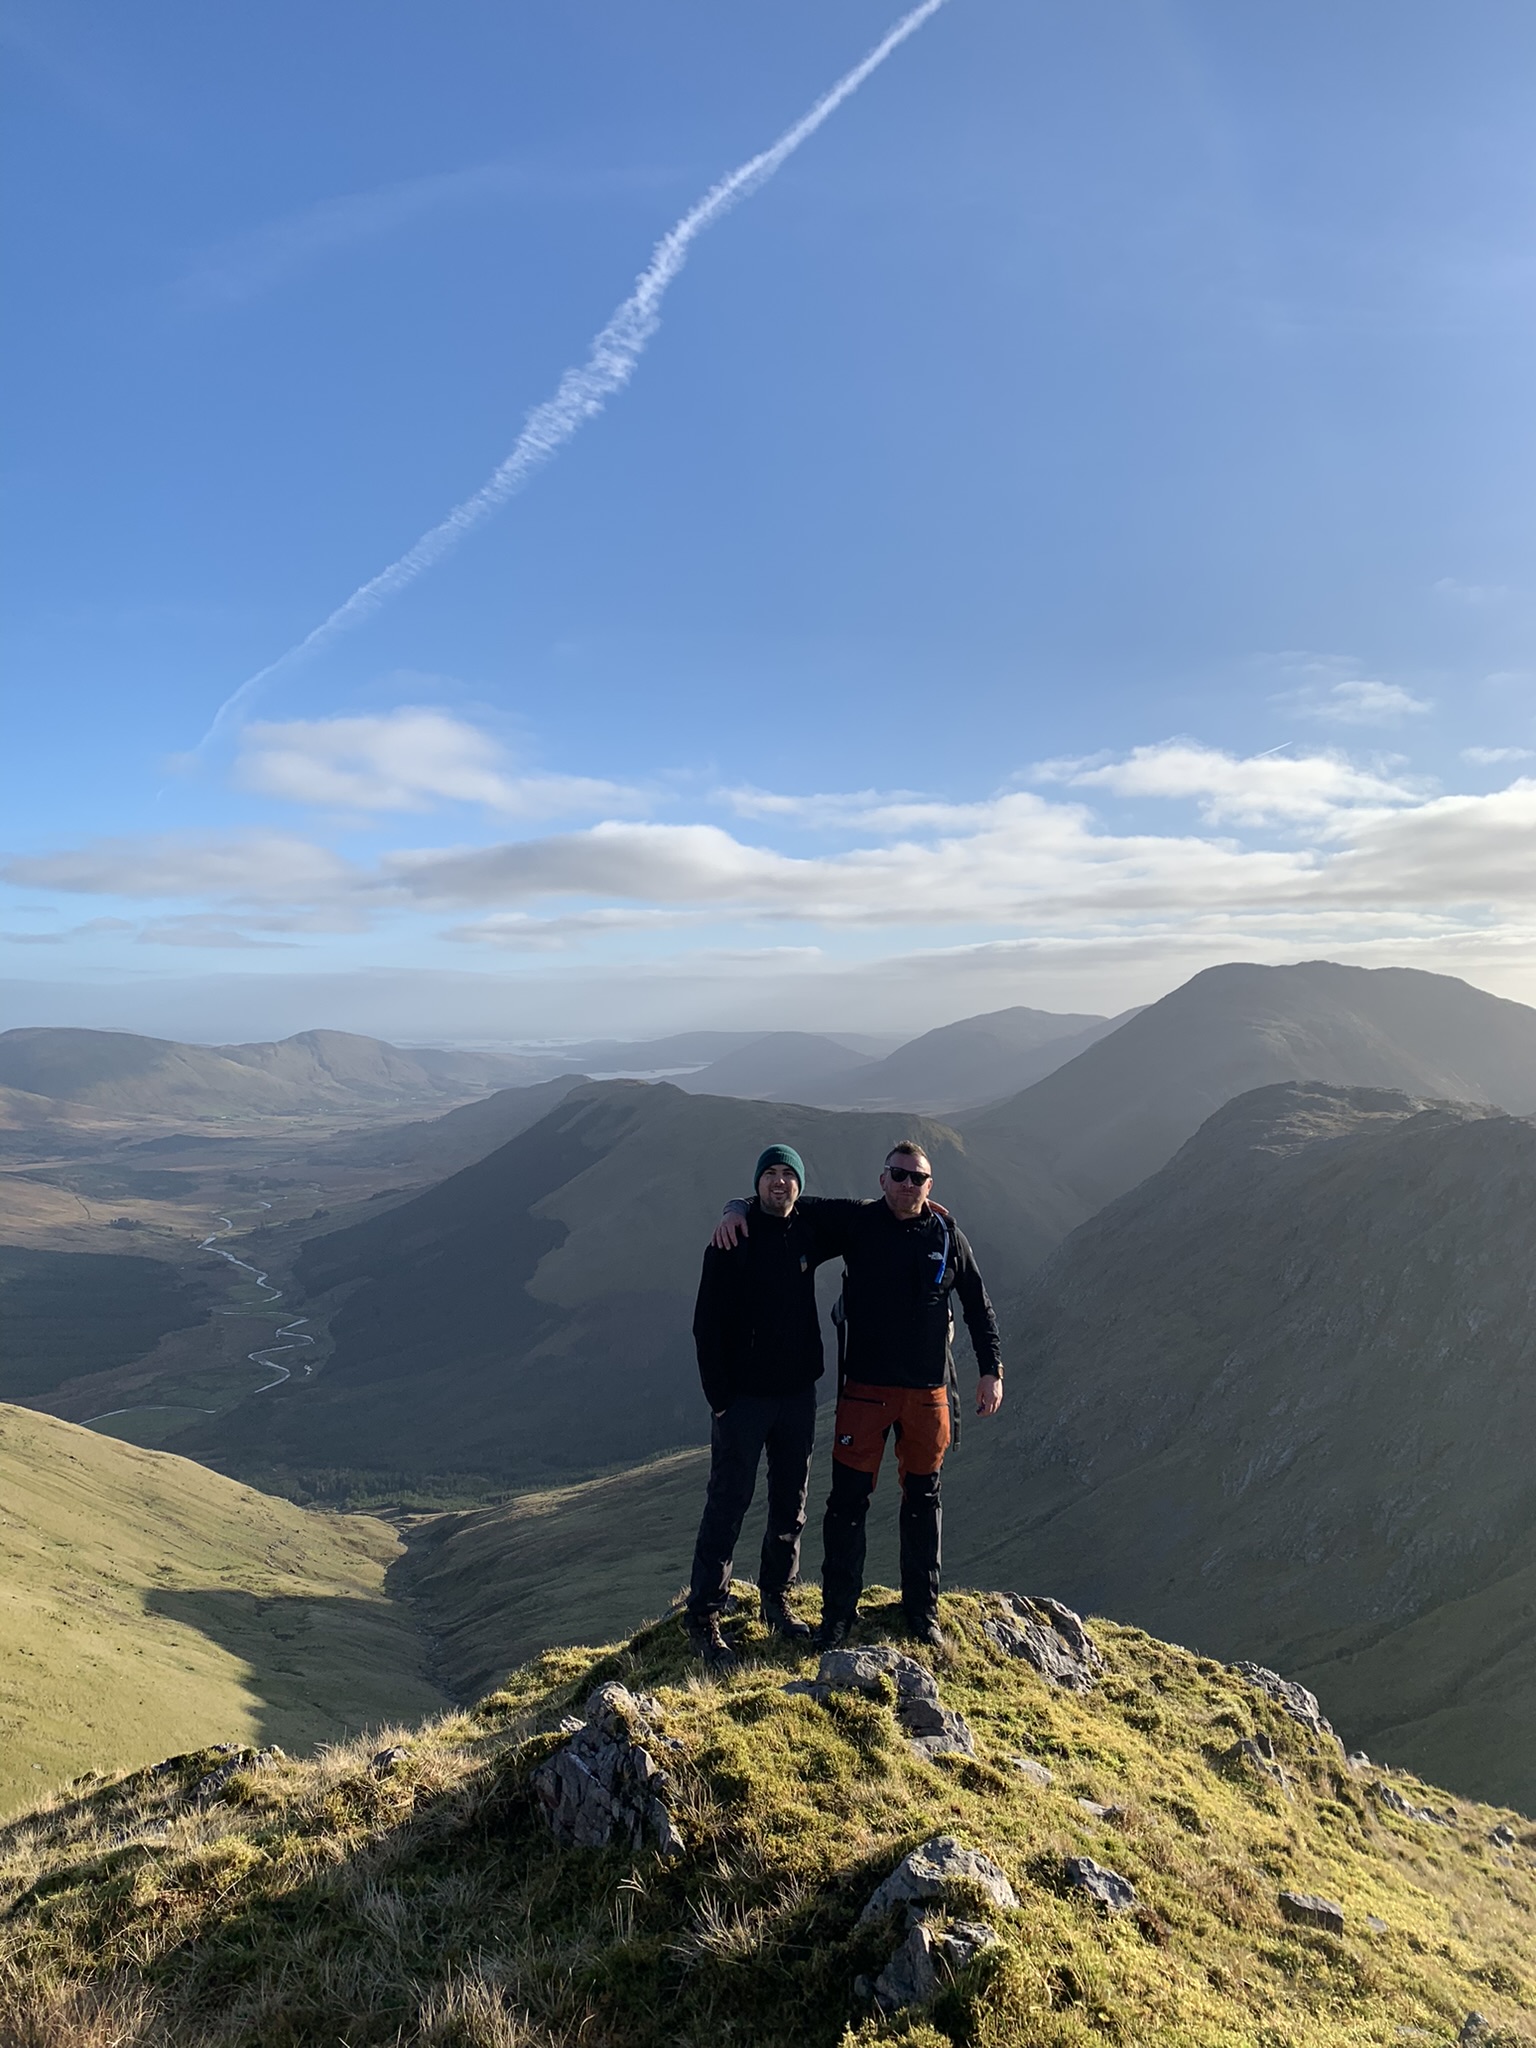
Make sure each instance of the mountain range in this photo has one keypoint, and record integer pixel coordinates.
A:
(312, 1072)
(1122, 1108)
(978, 1060)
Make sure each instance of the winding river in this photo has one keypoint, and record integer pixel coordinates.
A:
(293, 1332)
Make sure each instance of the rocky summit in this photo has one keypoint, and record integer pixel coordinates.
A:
(616, 1847)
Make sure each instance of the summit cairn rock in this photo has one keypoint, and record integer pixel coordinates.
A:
(604, 1786)
(932, 1728)
(1291, 1698)
(1047, 1635)
(932, 1870)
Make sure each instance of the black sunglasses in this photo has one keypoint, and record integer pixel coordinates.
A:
(905, 1173)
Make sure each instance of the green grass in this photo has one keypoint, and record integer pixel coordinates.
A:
(148, 1605)
(320, 1904)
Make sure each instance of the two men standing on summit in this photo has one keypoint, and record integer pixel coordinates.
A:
(759, 1347)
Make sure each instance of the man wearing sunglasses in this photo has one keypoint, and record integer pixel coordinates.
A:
(905, 1262)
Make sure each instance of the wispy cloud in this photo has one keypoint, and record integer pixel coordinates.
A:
(1331, 688)
(1492, 757)
(1240, 790)
(1366, 701)
(521, 931)
(1365, 853)
(412, 759)
(259, 867)
(94, 927)
(583, 392)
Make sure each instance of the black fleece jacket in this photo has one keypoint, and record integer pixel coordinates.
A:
(755, 1326)
(901, 1280)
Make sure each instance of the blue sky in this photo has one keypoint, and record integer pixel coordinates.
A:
(1071, 526)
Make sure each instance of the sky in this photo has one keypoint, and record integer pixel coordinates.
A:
(1068, 526)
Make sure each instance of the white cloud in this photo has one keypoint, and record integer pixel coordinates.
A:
(522, 931)
(261, 867)
(1365, 701)
(1330, 687)
(1253, 790)
(1490, 757)
(1369, 857)
(408, 760)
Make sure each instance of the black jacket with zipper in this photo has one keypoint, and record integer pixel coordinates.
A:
(902, 1276)
(755, 1325)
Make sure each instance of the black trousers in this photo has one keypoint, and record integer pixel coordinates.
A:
(785, 1427)
(920, 1524)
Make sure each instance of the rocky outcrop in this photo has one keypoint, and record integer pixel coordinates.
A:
(1388, 1796)
(934, 1947)
(1047, 1635)
(1308, 1910)
(1256, 1753)
(1291, 1698)
(932, 1871)
(927, 1958)
(604, 1786)
(1116, 1894)
(931, 1728)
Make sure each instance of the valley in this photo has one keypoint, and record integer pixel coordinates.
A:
(1260, 1252)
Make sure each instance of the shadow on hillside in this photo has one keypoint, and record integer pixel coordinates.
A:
(316, 1669)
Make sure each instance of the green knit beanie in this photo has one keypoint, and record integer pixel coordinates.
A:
(780, 1155)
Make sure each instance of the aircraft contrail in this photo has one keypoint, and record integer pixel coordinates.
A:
(582, 392)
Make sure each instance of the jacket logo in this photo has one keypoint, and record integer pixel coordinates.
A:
(804, 1262)
(845, 1440)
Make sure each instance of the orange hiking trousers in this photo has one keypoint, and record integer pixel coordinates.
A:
(866, 1416)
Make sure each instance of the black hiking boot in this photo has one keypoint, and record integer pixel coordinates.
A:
(834, 1631)
(703, 1632)
(924, 1628)
(776, 1616)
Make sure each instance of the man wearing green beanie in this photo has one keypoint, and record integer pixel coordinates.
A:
(758, 1339)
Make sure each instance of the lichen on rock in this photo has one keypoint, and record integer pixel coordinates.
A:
(1047, 1635)
(604, 1786)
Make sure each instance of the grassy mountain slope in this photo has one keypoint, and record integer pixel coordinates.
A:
(314, 1071)
(528, 1319)
(1122, 1109)
(148, 1605)
(776, 1064)
(978, 1059)
(1280, 1401)
(65, 1314)
(437, 1146)
(423, 1904)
